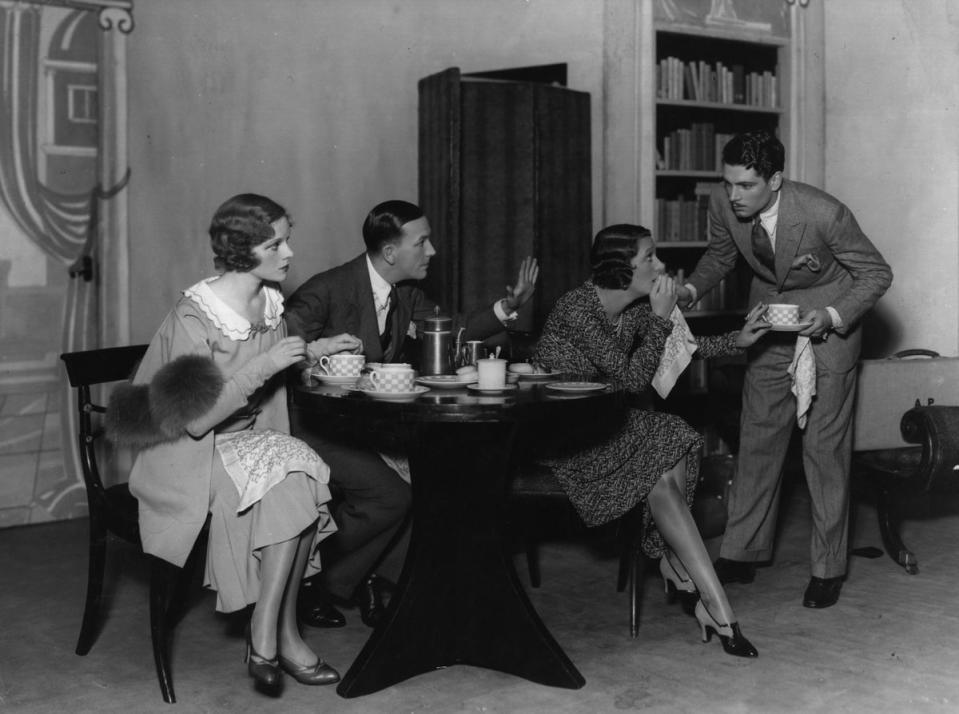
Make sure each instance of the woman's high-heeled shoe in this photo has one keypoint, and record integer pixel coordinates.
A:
(264, 671)
(675, 583)
(319, 673)
(732, 639)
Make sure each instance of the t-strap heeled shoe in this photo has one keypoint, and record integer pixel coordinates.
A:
(264, 671)
(729, 635)
(675, 583)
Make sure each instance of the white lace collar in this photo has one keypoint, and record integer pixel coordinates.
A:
(226, 319)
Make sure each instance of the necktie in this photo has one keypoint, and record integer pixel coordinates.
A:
(386, 337)
(762, 246)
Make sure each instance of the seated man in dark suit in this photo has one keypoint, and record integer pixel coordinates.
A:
(375, 297)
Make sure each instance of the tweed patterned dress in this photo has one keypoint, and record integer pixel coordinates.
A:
(611, 469)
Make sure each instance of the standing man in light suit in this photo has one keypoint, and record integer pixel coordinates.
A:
(804, 247)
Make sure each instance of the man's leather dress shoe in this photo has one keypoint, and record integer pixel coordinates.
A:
(371, 597)
(734, 571)
(822, 592)
(313, 607)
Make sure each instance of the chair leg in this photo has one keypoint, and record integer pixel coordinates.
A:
(889, 523)
(160, 576)
(532, 563)
(637, 579)
(95, 568)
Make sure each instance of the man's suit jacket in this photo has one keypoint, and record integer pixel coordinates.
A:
(852, 274)
(341, 300)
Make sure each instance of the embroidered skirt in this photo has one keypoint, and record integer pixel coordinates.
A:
(267, 488)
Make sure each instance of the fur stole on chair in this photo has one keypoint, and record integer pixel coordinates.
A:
(142, 415)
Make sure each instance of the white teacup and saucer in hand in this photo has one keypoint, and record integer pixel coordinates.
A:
(784, 318)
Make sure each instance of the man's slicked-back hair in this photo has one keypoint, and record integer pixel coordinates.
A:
(611, 256)
(240, 224)
(757, 150)
(384, 224)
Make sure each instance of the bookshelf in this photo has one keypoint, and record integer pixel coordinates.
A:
(735, 40)
(709, 86)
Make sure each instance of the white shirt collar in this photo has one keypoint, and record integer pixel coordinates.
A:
(381, 288)
(770, 217)
(225, 319)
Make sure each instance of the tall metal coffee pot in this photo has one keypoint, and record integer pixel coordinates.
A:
(437, 345)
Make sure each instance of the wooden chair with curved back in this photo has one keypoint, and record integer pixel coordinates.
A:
(114, 510)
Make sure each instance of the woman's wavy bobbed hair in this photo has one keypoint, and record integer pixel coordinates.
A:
(613, 250)
(240, 224)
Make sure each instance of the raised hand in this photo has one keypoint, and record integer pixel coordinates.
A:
(517, 295)
(287, 352)
(663, 296)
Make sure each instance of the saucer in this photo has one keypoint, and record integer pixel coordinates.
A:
(377, 394)
(447, 381)
(538, 376)
(790, 328)
(491, 390)
(576, 386)
(335, 379)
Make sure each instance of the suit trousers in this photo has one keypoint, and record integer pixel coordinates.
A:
(768, 419)
(370, 506)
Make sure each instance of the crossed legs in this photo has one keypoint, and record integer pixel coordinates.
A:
(273, 625)
(667, 503)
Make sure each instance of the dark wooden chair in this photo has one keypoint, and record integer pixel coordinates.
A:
(536, 496)
(899, 474)
(113, 510)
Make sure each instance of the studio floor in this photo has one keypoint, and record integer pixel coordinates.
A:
(891, 644)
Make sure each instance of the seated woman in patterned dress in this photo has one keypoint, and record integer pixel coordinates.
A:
(604, 329)
(208, 411)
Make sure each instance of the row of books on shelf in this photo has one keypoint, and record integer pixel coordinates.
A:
(697, 148)
(728, 295)
(701, 81)
(684, 219)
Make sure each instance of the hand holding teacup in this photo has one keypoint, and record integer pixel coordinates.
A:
(334, 345)
(756, 326)
(821, 323)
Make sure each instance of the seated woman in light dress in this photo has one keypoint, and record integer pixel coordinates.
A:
(605, 329)
(208, 411)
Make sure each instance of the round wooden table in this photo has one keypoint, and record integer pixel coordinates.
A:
(459, 600)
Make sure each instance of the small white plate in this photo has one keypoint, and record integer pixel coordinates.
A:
(334, 379)
(377, 394)
(576, 386)
(790, 328)
(538, 376)
(491, 390)
(447, 381)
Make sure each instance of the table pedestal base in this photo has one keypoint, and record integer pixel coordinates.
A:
(459, 600)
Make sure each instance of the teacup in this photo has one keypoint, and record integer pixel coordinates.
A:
(782, 314)
(491, 373)
(393, 377)
(342, 365)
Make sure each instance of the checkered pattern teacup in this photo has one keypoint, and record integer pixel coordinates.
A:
(780, 314)
(342, 365)
(393, 378)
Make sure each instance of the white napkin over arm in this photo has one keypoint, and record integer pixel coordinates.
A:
(678, 353)
(803, 372)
